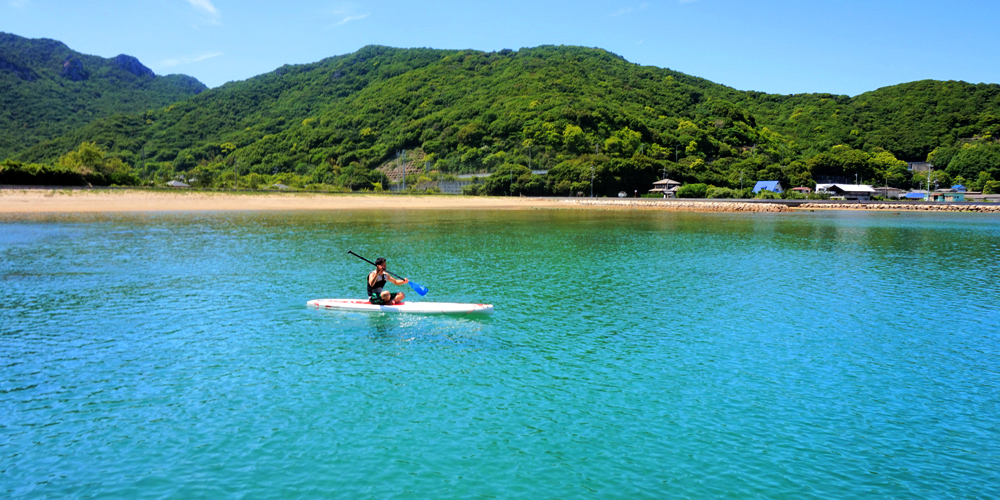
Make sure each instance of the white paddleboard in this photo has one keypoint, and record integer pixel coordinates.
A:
(450, 308)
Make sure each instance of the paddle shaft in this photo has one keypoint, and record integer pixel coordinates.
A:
(372, 263)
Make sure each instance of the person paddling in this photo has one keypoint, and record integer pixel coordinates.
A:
(377, 279)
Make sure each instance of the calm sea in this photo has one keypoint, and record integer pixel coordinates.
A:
(631, 355)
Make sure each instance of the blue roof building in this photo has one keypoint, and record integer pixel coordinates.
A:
(958, 187)
(773, 186)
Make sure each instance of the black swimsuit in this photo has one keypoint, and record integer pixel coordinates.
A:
(375, 291)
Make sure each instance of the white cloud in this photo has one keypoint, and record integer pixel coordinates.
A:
(205, 6)
(347, 12)
(169, 63)
(210, 12)
(626, 10)
(348, 19)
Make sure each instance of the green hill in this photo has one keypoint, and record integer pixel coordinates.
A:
(46, 90)
(574, 111)
(469, 110)
(910, 119)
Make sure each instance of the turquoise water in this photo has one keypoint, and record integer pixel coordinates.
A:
(631, 355)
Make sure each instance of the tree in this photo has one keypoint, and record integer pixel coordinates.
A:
(93, 163)
(941, 156)
(86, 159)
(501, 182)
(797, 173)
(938, 179)
(844, 161)
(775, 172)
(574, 140)
(698, 190)
(981, 181)
(623, 143)
(721, 192)
(975, 158)
(898, 176)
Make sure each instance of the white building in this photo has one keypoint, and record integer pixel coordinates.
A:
(859, 192)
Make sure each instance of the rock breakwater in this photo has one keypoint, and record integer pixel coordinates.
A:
(897, 207)
(687, 206)
(744, 206)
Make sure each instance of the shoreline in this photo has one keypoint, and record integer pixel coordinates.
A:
(35, 201)
(706, 205)
(18, 200)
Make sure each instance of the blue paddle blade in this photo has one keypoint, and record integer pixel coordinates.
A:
(417, 287)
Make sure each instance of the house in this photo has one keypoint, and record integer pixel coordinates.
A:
(980, 197)
(802, 190)
(178, 184)
(947, 195)
(859, 192)
(773, 186)
(959, 188)
(889, 192)
(916, 195)
(665, 186)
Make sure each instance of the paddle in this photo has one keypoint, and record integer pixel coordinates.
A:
(417, 287)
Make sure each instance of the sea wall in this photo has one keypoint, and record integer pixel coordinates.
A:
(781, 206)
(686, 206)
(897, 207)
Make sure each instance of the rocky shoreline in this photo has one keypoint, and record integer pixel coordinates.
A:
(746, 206)
(896, 207)
(687, 206)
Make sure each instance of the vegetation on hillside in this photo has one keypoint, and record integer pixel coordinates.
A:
(46, 90)
(588, 117)
(86, 165)
(909, 120)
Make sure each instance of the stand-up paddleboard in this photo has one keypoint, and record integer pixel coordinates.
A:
(450, 308)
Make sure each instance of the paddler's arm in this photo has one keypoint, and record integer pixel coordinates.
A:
(396, 281)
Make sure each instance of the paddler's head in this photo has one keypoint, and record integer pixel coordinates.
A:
(380, 263)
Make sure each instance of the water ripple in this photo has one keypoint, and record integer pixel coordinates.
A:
(631, 355)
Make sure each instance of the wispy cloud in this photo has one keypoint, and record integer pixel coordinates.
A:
(169, 63)
(204, 6)
(208, 9)
(627, 10)
(348, 19)
(347, 12)
(19, 4)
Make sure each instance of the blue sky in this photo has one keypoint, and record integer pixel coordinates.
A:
(841, 47)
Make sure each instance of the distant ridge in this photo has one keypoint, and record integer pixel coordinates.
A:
(47, 89)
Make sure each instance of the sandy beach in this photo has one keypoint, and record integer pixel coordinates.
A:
(29, 201)
(137, 200)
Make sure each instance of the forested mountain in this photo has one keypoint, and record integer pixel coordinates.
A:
(46, 90)
(575, 111)
(909, 119)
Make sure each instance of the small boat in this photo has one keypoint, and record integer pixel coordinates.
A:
(449, 308)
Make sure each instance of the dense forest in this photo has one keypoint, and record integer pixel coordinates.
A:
(46, 90)
(585, 115)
